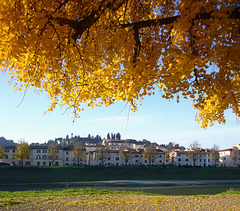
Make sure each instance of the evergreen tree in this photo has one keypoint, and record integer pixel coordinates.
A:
(118, 136)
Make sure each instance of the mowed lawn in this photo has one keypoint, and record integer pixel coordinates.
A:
(10, 175)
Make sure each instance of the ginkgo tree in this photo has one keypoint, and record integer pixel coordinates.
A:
(100, 51)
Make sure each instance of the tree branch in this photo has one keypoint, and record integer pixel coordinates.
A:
(85, 23)
(235, 14)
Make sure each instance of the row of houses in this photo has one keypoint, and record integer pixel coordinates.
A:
(39, 156)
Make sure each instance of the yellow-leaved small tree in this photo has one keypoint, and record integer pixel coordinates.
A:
(1, 152)
(23, 151)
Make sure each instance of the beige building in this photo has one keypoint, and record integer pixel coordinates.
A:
(181, 158)
(39, 156)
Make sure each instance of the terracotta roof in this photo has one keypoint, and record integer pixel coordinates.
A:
(188, 152)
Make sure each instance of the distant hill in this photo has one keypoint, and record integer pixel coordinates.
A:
(4, 142)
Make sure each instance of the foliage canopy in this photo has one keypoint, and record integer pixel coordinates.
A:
(97, 52)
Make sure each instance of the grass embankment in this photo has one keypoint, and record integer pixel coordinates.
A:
(105, 199)
(76, 174)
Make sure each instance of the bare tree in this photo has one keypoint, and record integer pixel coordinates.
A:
(214, 155)
(102, 153)
(125, 153)
(235, 155)
(53, 153)
(78, 152)
(150, 154)
(194, 152)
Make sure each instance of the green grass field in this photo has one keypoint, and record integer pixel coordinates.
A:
(10, 175)
(105, 199)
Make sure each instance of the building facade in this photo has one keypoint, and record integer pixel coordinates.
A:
(39, 156)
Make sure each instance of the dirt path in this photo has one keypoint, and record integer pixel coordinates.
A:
(134, 183)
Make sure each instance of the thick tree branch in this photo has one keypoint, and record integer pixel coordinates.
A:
(166, 21)
(85, 23)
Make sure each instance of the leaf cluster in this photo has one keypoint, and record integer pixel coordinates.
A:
(98, 52)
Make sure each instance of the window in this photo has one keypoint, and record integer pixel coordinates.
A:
(179, 159)
(38, 163)
(109, 158)
(66, 153)
(38, 151)
(27, 163)
(38, 157)
(13, 150)
(117, 158)
(136, 156)
(66, 158)
(6, 150)
(44, 157)
(200, 160)
(186, 160)
(6, 157)
(44, 163)
(136, 161)
(44, 151)
(160, 156)
(56, 164)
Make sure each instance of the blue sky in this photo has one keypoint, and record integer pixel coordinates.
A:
(157, 120)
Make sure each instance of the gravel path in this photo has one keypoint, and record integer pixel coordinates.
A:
(128, 202)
